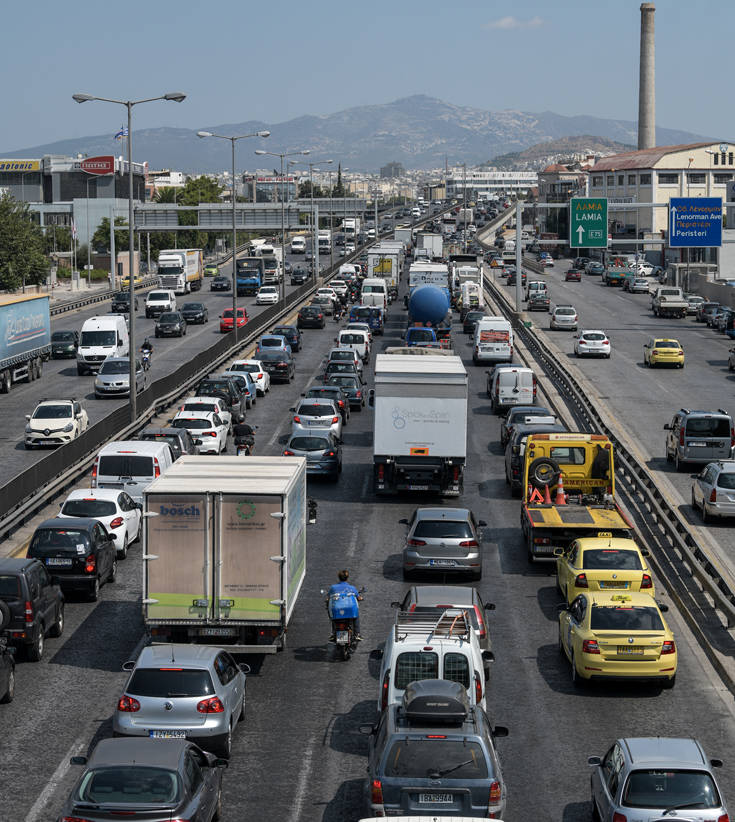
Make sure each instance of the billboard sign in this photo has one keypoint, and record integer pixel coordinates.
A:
(98, 165)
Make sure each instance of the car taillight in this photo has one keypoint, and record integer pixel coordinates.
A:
(341, 403)
(535, 387)
(117, 522)
(90, 564)
(646, 582)
(723, 818)
(334, 420)
(94, 475)
(358, 394)
(297, 419)
(713, 495)
(376, 792)
(381, 472)
(496, 792)
(318, 316)
(330, 454)
(128, 705)
(580, 581)
(74, 819)
(480, 622)
(384, 691)
(211, 706)
(259, 377)
(669, 647)
(468, 543)
(156, 467)
(29, 613)
(417, 542)
(732, 437)
(582, 342)
(478, 689)
(606, 342)
(619, 817)
(681, 436)
(590, 646)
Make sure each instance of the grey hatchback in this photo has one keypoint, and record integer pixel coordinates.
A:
(322, 451)
(113, 379)
(649, 777)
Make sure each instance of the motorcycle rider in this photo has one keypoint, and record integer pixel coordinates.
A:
(344, 587)
(147, 347)
(243, 436)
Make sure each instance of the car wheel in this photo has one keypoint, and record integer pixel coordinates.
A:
(678, 464)
(10, 693)
(94, 590)
(57, 629)
(703, 512)
(34, 651)
(668, 684)
(224, 745)
(113, 571)
(577, 680)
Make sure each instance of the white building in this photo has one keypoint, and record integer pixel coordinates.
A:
(492, 183)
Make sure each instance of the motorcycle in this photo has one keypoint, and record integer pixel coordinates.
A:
(243, 439)
(338, 312)
(145, 358)
(343, 613)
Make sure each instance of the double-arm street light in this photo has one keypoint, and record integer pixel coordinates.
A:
(233, 140)
(282, 155)
(314, 228)
(173, 96)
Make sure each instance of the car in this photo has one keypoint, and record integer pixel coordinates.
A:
(267, 295)
(183, 691)
(220, 283)
(152, 779)
(195, 313)
(82, 554)
(344, 354)
(538, 301)
(113, 379)
(258, 374)
(216, 405)
(245, 384)
(470, 319)
(64, 344)
(207, 428)
(178, 439)
(713, 490)
(311, 316)
(137, 280)
(704, 309)
(511, 280)
(299, 276)
(55, 422)
(279, 363)
(441, 540)
(432, 598)
(649, 778)
(226, 319)
(563, 316)
(339, 286)
(327, 291)
(547, 261)
(723, 319)
(349, 248)
(591, 343)
(699, 436)
(158, 301)
(226, 388)
(573, 273)
(602, 564)
(316, 413)
(352, 385)
(340, 367)
(693, 303)
(638, 285)
(331, 392)
(517, 414)
(113, 507)
(361, 326)
(292, 335)
(643, 269)
(272, 342)
(33, 602)
(325, 304)
(211, 270)
(322, 451)
(594, 269)
(170, 324)
(662, 351)
(433, 754)
(591, 632)
(120, 303)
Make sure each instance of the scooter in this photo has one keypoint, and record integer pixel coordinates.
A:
(243, 439)
(343, 613)
(145, 358)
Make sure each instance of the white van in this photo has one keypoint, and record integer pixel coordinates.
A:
(158, 301)
(102, 337)
(374, 292)
(355, 339)
(493, 340)
(267, 250)
(512, 386)
(432, 646)
(298, 245)
(131, 465)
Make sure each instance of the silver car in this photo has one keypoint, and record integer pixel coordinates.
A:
(113, 379)
(642, 778)
(314, 413)
(443, 540)
(564, 316)
(713, 490)
(192, 692)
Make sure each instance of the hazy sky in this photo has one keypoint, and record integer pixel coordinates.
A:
(273, 61)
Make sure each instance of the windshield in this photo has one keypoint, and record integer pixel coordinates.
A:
(170, 269)
(352, 339)
(348, 356)
(246, 367)
(170, 684)
(726, 481)
(59, 541)
(625, 618)
(192, 307)
(89, 508)
(590, 336)
(115, 367)
(158, 296)
(195, 424)
(52, 412)
(62, 336)
(347, 382)
(667, 788)
(200, 406)
(422, 758)
(271, 342)
(420, 334)
(611, 559)
(442, 529)
(309, 444)
(129, 785)
(413, 665)
(565, 311)
(98, 338)
(708, 427)
(204, 388)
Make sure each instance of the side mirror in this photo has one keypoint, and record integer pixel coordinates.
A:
(367, 730)
(78, 760)
(663, 608)
(129, 665)
(595, 761)
(559, 552)
(244, 667)
(645, 552)
(139, 506)
(403, 521)
(561, 607)
(293, 409)
(667, 427)
(481, 523)
(488, 656)
(376, 653)
(715, 763)
(219, 762)
(500, 730)
(28, 417)
(395, 604)
(515, 450)
(112, 536)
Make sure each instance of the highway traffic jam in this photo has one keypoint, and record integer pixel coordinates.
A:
(369, 566)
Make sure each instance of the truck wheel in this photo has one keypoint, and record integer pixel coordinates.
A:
(5, 382)
(31, 370)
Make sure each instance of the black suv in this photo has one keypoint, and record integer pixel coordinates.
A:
(292, 335)
(299, 276)
(121, 303)
(227, 389)
(179, 439)
(79, 551)
(35, 603)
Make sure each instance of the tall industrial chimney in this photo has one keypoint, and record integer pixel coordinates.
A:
(647, 82)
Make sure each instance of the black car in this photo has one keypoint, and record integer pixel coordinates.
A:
(195, 313)
(470, 320)
(170, 324)
(35, 602)
(179, 439)
(79, 551)
(220, 283)
(538, 301)
(64, 344)
(292, 335)
(227, 389)
(279, 364)
(121, 303)
(299, 276)
(332, 392)
(352, 385)
(310, 316)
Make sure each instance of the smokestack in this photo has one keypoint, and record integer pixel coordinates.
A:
(647, 82)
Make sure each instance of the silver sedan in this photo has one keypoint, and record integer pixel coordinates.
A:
(113, 379)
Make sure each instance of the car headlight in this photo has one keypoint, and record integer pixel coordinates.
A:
(98, 383)
(68, 428)
(29, 430)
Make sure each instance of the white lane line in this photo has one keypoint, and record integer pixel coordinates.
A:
(56, 778)
(304, 779)
(353, 540)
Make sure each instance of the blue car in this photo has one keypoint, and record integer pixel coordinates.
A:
(272, 342)
(246, 384)
(419, 335)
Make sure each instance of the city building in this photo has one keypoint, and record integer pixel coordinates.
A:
(558, 183)
(392, 170)
(265, 188)
(481, 184)
(165, 178)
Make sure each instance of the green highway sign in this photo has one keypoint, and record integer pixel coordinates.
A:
(588, 222)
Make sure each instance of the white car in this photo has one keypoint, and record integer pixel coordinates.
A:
(215, 404)
(207, 429)
(592, 344)
(643, 269)
(55, 422)
(258, 374)
(349, 248)
(339, 287)
(267, 295)
(113, 507)
(327, 292)
(713, 490)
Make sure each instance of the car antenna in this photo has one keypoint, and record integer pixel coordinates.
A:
(172, 653)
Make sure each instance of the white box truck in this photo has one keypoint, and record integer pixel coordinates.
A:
(420, 424)
(180, 269)
(224, 551)
(433, 243)
(403, 234)
(385, 263)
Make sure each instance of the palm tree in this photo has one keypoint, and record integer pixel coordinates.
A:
(167, 194)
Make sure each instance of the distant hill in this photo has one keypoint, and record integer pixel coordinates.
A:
(418, 131)
(565, 149)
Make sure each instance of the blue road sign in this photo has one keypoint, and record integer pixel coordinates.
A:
(695, 222)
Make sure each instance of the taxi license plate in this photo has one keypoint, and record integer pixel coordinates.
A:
(217, 632)
(436, 798)
(442, 563)
(167, 734)
(614, 585)
(58, 561)
(626, 650)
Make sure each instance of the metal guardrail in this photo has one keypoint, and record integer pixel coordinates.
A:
(63, 306)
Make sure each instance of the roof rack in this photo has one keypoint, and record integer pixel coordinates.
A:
(450, 624)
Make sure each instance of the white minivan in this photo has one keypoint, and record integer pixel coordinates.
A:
(131, 465)
(374, 292)
(357, 340)
(514, 385)
(298, 245)
(493, 340)
(102, 337)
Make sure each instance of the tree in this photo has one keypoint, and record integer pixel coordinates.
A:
(101, 237)
(22, 245)
(197, 190)
(339, 189)
(305, 190)
(167, 194)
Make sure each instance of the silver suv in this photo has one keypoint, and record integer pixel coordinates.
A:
(699, 437)
(564, 316)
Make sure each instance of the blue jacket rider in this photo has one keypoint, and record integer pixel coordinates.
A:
(344, 587)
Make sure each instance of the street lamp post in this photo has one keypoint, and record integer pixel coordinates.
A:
(233, 140)
(282, 155)
(176, 97)
(314, 229)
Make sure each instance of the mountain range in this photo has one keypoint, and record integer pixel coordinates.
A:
(540, 155)
(417, 131)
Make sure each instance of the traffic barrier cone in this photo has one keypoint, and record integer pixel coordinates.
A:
(560, 496)
(547, 495)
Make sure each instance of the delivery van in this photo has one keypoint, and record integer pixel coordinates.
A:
(102, 337)
(374, 292)
(131, 465)
(493, 340)
(511, 386)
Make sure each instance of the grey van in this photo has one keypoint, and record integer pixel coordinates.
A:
(699, 437)
(131, 465)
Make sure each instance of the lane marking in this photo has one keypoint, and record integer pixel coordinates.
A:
(56, 778)
(304, 778)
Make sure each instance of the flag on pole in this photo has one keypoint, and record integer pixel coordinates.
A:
(122, 133)
(73, 229)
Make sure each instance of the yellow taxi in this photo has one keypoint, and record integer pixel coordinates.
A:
(602, 564)
(663, 351)
(137, 280)
(617, 636)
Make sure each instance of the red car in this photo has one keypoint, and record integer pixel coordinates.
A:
(225, 320)
(573, 274)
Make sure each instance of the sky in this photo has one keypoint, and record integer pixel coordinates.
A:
(273, 61)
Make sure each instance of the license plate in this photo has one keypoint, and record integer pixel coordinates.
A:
(167, 734)
(697, 444)
(613, 585)
(626, 650)
(442, 563)
(418, 487)
(58, 561)
(217, 632)
(343, 637)
(436, 798)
